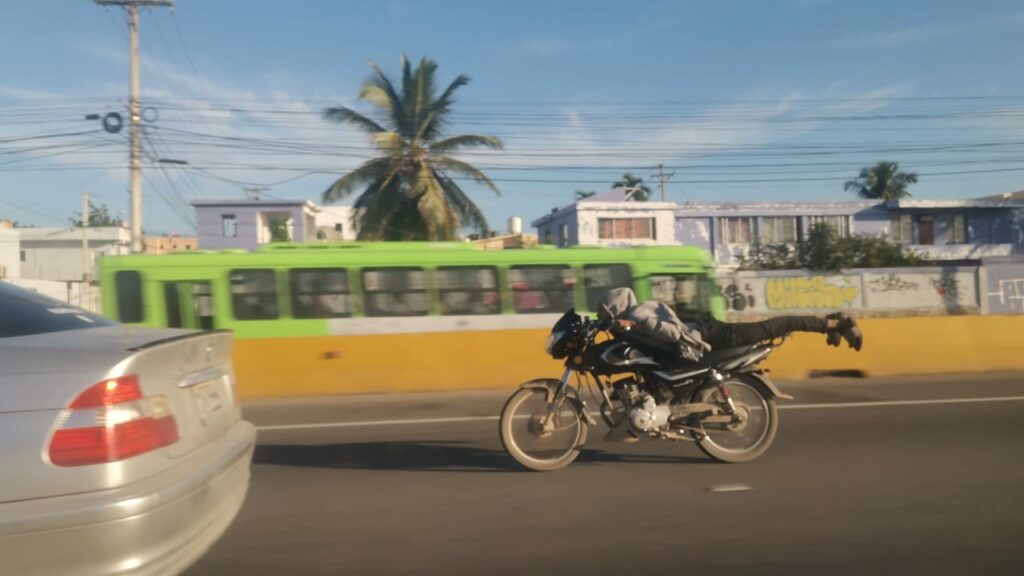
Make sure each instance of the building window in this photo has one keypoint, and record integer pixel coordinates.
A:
(563, 235)
(549, 238)
(625, 229)
(956, 229)
(539, 289)
(925, 230)
(23, 259)
(839, 224)
(320, 293)
(598, 279)
(229, 225)
(901, 229)
(468, 290)
(395, 292)
(339, 228)
(737, 230)
(253, 294)
(778, 230)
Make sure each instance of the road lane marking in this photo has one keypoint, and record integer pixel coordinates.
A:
(880, 403)
(729, 488)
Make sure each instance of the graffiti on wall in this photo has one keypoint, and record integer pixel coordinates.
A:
(811, 292)
(891, 283)
(738, 299)
(1010, 295)
(947, 287)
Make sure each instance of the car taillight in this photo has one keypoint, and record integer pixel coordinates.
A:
(111, 421)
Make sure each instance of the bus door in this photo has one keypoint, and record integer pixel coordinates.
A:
(189, 304)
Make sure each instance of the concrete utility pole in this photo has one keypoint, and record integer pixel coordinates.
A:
(662, 178)
(85, 247)
(135, 111)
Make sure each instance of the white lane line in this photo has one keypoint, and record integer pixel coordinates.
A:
(900, 403)
(729, 488)
(880, 403)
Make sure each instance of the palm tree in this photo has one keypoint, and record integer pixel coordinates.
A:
(883, 181)
(641, 192)
(409, 192)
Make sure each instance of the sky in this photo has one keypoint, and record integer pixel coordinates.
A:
(752, 100)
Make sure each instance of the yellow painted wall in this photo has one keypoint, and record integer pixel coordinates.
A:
(480, 360)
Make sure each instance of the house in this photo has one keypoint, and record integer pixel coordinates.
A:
(943, 230)
(335, 223)
(10, 251)
(247, 224)
(169, 243)
(609, 219)
(56, 253)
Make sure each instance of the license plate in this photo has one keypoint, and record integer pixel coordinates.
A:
(209, 400)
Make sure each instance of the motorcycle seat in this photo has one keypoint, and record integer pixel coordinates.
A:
(718, 356)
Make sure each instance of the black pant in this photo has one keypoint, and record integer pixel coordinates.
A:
(728, 335)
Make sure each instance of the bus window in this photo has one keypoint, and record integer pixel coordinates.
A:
(172, 305)
(253, 294)
(468, 290)
(395, 292)
(128, 284)
(687, 294)
(598, 279)
(540, 289)
(320, 293)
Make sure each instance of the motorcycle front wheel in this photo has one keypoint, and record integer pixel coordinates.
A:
(539, 434)
(755, 428)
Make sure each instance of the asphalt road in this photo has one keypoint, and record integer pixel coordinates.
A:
(928, 481)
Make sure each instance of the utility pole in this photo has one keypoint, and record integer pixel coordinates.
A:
(662, 178)
(85, 250)
(135, 111)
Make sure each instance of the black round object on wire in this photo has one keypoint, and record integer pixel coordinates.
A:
(113, 122)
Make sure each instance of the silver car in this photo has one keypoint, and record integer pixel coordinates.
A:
(122, 450)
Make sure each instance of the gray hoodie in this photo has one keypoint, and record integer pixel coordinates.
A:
(657, 320)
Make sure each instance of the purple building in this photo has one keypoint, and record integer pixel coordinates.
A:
(247, 224)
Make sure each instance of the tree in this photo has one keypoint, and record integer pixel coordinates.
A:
(409, 191)
(581, 194)
(825, 251)
(883, 181)
(98, 216)
(642, 192)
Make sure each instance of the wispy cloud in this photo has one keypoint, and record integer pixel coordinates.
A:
(901, 36)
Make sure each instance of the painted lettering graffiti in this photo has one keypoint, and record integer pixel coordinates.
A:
(1010, 294)
(738, 299)
(813, 292)
(891, 283)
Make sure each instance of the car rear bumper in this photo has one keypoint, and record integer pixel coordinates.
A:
(159, 525)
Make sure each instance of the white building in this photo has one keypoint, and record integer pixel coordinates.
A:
(56, 253)
(10, 253)
(335, 223)
(609, 220)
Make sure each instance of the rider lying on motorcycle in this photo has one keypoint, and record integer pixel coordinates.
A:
(658, 321)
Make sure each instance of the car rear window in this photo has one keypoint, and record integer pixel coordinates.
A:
(23, 313)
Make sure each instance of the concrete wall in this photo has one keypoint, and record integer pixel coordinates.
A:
(588, 214)
(947, 290)
(326, 220)
(56, 253)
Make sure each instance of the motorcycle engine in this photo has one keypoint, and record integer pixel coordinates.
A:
(648, 415)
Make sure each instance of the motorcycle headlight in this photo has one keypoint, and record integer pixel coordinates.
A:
(553, 339)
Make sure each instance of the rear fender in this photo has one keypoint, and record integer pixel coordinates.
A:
(551, 385)
(760, 376)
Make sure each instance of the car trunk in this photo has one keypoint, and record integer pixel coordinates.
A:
(188, 373)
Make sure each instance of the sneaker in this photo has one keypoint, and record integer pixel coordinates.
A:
(847, 329)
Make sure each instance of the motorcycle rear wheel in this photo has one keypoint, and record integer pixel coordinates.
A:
(753, 434)
(539, 435)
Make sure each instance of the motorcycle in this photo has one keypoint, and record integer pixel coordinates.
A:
(724, 402)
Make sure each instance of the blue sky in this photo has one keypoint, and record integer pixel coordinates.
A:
(743, 100)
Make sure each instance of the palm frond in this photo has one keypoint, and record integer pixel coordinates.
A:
(469, 213)
(447, 163)
(432, 204)
(391, 143)
(370, 171)
(396, 110)
(440, 107)
(343, 115)
(466, 141)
